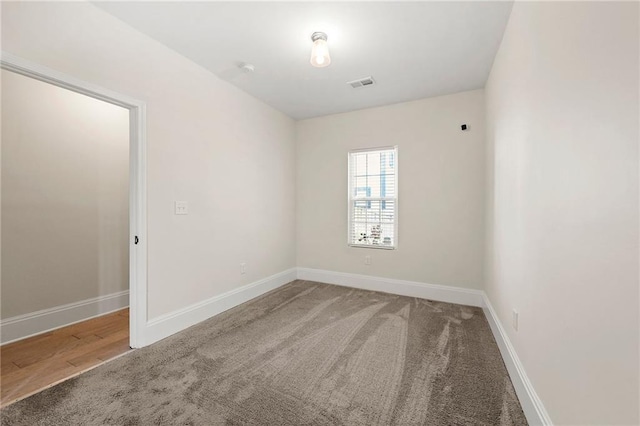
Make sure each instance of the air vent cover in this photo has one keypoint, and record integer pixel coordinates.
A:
(362, 82)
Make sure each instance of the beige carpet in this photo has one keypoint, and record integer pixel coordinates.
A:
(305, 354)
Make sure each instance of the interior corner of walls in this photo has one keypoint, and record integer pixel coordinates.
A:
(441, 293)
(419, 127)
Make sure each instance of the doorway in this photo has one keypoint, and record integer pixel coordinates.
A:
(117, 258)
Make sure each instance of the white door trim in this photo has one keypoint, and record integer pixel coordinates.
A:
(137, 182)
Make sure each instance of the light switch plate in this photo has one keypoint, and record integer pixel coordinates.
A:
(182, 207)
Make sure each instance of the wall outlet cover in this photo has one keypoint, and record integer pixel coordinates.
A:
(181, 207)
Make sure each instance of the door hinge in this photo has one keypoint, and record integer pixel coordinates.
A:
(135, 240)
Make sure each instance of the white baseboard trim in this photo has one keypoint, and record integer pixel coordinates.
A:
(173, 322)
(441, 293)
(27, 325)
(23, 326)
(531, 404)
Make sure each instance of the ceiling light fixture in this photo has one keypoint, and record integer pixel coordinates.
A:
(320, 51)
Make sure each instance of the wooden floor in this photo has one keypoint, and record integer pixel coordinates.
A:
(34, 363)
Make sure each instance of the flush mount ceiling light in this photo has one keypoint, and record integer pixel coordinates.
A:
(320, 51)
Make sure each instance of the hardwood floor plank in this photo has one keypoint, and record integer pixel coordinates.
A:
(35, 343)
(7, 367)
(110, 329)
(31, 353)
(28, 340)
(59, 350)
(105, 322)
(36, 362)
(84, 326)
(37, 376)
(96, 352)
(119, 347)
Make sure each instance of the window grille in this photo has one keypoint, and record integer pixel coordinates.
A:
(373, 199)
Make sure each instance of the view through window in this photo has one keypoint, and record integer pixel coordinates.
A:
(373, 181)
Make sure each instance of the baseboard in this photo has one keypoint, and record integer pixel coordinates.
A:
(531, 404)
(173, 322)
(441, 293)
(27, 325)
(19, 327)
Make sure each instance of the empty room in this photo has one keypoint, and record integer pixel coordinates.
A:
(314, 213)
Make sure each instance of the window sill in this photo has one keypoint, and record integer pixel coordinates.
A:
(376, 247)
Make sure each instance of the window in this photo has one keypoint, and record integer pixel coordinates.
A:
(373, 200)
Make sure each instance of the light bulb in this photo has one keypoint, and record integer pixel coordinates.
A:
(320, 50)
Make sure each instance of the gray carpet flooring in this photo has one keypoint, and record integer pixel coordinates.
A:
(304, 354)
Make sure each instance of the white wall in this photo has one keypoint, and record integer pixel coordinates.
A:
(562, 187)
(230, 156)
(65, 196)
(440, 198)
(562, 136)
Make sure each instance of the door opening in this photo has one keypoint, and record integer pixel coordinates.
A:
(137, 180)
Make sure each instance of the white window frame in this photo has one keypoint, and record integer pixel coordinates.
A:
(394, 199)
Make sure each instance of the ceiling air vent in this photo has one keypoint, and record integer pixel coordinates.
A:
(361, 82)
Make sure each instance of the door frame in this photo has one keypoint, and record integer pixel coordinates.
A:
(137, 179)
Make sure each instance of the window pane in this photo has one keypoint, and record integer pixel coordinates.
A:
(373, 176)
(360, 188)
(373, 222)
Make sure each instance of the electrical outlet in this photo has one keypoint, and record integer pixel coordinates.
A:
(243, 268)
(181, 207)
(367, 260)
(514, 319)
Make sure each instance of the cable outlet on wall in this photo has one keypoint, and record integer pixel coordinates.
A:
(243, 268)
(367, 260)
(514, 319)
